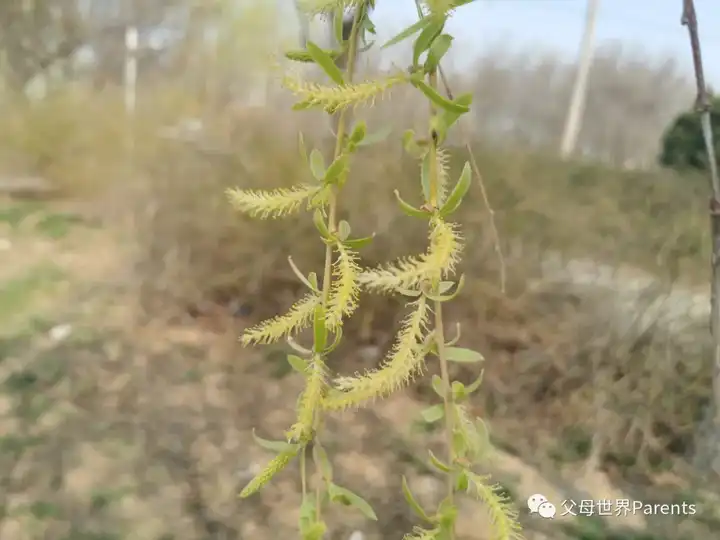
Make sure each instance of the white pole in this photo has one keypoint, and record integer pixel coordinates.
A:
(573, 122)
(131, 47)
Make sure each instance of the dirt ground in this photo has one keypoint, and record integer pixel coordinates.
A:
(116, 429)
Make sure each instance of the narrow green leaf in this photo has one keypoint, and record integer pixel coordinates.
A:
(295, 346)
(320, 332)
(463, 356)
(408, 292)
(409, 209)
(377, 137)
(425, 176)
(438, 386)
(348, 498)
(338, 19)
(317, 165)
(313, 279)
(458, 333)
(458, 391)
(438, 49)
(344, 230)
(458, 192)
(450, 117)
(436, 98)
(461, 482)
(300, 275)
(475, 384)
(358, 133)
(445, 286)
(298, 364)
(448, 297)
(322, 462)
(326, 62)
(319, 221)
(303, 149)
(433, 413)
(335, 173)
(438, 464)
(273, 446)
(423, 42)
(336, 341)
(407, 32)
(306, 57)
(359, 243)
(412, 502)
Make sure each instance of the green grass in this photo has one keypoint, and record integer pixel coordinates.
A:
(18, 293)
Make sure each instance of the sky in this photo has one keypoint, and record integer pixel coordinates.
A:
(650, 26)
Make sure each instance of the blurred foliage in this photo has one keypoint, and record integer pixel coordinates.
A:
(683, 145)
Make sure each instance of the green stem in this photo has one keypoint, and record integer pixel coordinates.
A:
(448, 401)
(332, 221)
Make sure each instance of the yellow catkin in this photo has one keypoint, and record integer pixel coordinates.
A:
(277, 464)
(439, 261)
(346, 287)
(405, 360)
(274, 329)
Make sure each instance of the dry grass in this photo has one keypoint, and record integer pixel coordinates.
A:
(160, 407)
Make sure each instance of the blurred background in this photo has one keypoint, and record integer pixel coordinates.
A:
(127, 404)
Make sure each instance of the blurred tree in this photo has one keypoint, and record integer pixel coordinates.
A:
(683, 146)
(36, 34)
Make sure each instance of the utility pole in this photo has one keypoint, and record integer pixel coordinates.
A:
(573, 122)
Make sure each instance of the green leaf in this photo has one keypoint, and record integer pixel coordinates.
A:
(458, 192)
(425, 176)
(317, 165)
(438, 49)
(273, 446)
(335, 172)
(320, 332)
(458, 333)
(300, 275)
(343, 230)
(461, 482)
(358, 133)
(326, 62)
(463, 356)
(436, 98)
(449, 118)
(295, 346)
(438, 386)
(376, 137)
(359, 243)
(322, 462)
(438, 464)
(448, 297)
(409, 31)
(408, 292)
(348, 498)
(458, 391)
(423, 42)
(433, 413)
(447, 514)
(338, 19)
(336, 341)
(410, 210)
(475, 384)
(306, 57)
(414, 505)
(298, 364)
(313, 279)
(319, 221)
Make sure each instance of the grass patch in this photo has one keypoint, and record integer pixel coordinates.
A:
(17, 294)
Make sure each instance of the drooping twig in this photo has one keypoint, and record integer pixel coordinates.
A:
(702, 105)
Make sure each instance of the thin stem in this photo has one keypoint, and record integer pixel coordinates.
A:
(448, 402)
(332, 222)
